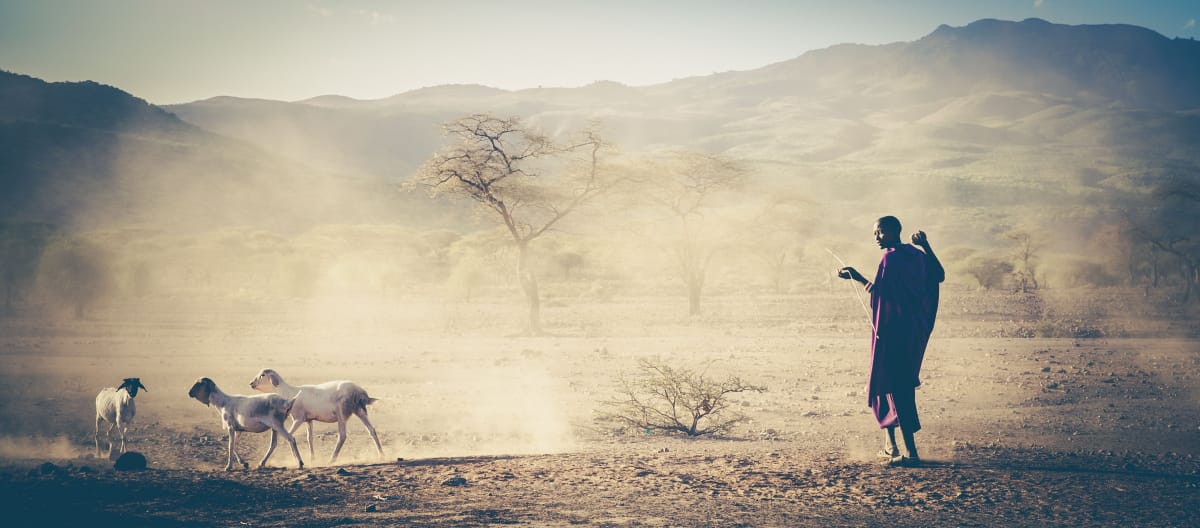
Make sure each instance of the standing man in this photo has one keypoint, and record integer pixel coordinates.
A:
(902, 319)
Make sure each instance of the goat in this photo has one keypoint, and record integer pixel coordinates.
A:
(252, 414)
(332, 401)
(115, 406)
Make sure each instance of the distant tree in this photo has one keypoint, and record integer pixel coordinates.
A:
(1026, 257)
(435, 245)
(677, 399)
(568, 261)
(21, 247)
(1083, 272)
(467, 277)
(775, 238)
(525, 181)
(76, 273)
(990, 272)
(686, 185)
(1168, 225)
(1180, 214)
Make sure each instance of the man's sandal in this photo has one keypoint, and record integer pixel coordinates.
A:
(903, 461)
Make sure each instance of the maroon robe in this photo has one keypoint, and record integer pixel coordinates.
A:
(903, 320)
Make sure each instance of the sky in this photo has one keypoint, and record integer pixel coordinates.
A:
(175, 51)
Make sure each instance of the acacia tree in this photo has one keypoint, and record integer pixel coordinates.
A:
(686, 187)
(526, 181)
(1026, 254)
(21, 247)
(76, 273)
(1167, 225)
(775, 238)
(1177, 214)
(989, 271)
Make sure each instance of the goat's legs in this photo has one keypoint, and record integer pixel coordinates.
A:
(362, 415)
(312, 454)
(121, 428)
(296, 426)
(108, 435)
(270, 448)
(291, 440)
(232, 453)
(341, 438)
(96, 436)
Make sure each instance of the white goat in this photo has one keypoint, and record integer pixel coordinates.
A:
(115, 406)
(332, 401)
(253, 414)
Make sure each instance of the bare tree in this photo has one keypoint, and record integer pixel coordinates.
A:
(21, 247)
(687, 187)
(775, 238)
(1168, 225)
(526, 181)
(681, 400)
(76, 273)
(1026, 255)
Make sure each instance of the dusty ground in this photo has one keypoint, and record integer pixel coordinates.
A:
(1098, 425)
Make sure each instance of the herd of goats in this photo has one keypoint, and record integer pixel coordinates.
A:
(333, 401)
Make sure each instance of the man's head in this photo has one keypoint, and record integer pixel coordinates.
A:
(887, 232)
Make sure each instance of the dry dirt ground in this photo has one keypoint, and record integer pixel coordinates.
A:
(1095, 423)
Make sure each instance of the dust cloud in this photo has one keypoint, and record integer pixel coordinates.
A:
(32, 448)
(224, 256)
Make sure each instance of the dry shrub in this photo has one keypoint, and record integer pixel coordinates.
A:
(677, 400)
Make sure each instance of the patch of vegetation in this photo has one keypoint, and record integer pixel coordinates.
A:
(677, 400)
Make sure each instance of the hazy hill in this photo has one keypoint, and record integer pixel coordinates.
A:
(947, 101)
(89, 155)
(1021, 114)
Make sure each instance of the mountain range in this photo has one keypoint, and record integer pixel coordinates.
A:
(1022, 114)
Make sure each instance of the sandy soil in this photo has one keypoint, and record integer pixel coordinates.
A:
(482, 429)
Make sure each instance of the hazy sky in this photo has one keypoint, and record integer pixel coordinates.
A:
(170, 51)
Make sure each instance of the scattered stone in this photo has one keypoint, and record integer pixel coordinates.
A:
(130, 461)
(455, 482)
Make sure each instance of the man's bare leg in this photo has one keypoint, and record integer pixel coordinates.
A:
(910, 444)
(889, 443)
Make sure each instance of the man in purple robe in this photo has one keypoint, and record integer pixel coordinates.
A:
(903, 305)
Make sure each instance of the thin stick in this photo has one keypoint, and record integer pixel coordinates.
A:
(857, 294)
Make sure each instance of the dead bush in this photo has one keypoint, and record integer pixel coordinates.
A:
(677, 400)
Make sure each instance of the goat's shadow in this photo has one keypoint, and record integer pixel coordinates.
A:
(452, 461)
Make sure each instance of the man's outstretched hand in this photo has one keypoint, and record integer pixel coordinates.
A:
(851, 274)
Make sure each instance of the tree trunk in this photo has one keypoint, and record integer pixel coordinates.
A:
(1188, 272)
(10, 292)
(1195, 278)
(695, 285)
(530, 287)
(1154, 265)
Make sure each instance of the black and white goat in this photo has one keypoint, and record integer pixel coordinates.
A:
(329, 402)
(251, 414)
(115, 406)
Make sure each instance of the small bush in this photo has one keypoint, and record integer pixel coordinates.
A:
(677, 400)
(990, 272)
